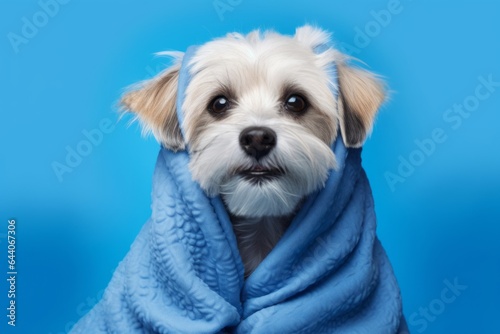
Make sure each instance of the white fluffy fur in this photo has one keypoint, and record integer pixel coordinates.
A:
(256, 68)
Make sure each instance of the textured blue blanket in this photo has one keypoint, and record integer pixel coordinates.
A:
(183, 274)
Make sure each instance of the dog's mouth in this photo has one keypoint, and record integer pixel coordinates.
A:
(259, 173)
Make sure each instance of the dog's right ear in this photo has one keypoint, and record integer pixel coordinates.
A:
(153, 101)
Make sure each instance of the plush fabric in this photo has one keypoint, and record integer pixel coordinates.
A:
(183, 274)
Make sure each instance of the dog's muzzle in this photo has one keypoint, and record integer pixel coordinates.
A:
(257, 142)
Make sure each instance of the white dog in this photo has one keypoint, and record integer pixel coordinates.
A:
(260, 136)
(259, 120)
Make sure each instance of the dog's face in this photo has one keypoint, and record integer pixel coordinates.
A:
(260, 116)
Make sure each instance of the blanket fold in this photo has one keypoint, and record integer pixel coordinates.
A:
(183, 273)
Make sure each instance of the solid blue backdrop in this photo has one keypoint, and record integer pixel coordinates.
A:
(77, 180)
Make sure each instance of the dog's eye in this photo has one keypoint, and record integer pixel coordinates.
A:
(296, 104)
(219, 105)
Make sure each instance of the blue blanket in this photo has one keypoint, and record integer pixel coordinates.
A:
(183, 274)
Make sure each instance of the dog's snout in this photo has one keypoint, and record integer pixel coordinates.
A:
(257, 141)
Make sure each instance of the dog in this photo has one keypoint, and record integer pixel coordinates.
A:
(262, 216)
(260, 118)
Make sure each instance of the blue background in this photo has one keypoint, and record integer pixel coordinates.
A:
(441, 223)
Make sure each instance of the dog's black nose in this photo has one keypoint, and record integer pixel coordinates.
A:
(257, 141)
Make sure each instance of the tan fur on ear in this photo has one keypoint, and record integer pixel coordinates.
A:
(154, 103)
(360, 95)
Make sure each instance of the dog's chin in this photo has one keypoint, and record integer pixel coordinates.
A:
(261, 194)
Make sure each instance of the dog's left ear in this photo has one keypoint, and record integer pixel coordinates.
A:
(360, 95)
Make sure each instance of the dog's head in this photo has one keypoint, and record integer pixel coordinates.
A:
(260, 116)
